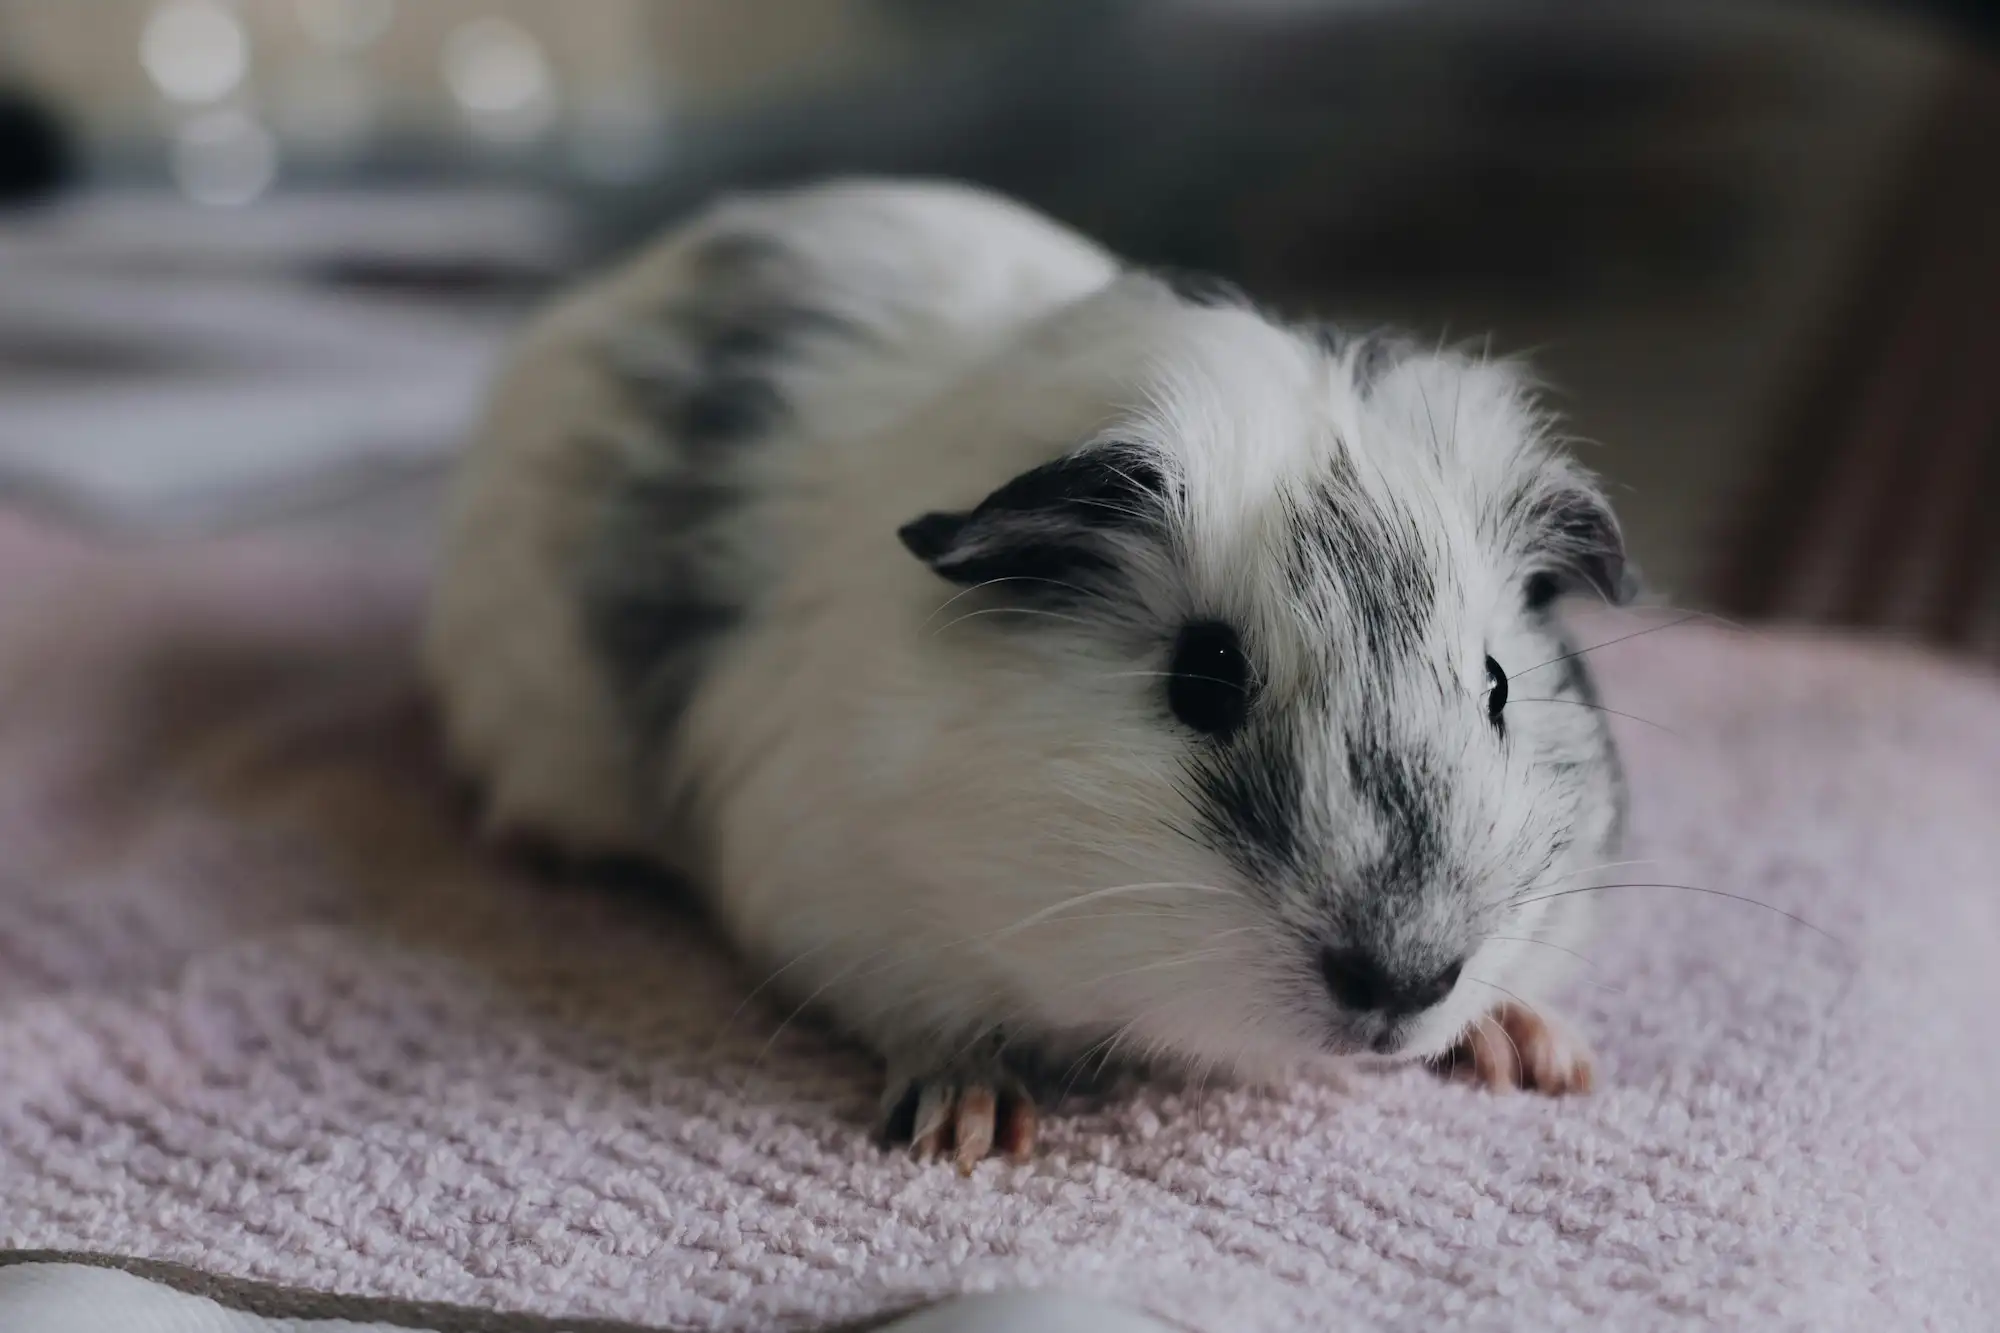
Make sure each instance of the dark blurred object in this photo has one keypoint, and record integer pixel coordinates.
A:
(37, 157)
(1878, 512)
(1976, 19)
(173, 370)
(1536, 155)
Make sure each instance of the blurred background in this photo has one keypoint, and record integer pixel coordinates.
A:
(256, 255)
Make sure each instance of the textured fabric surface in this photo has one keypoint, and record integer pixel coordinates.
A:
(263, 1012)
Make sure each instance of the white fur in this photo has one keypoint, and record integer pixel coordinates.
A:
(932, 824)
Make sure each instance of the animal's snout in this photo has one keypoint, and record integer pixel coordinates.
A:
(1362, 982)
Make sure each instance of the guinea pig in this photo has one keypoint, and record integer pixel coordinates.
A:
(1041, 668)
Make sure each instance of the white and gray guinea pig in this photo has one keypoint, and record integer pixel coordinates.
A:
(1042, 668)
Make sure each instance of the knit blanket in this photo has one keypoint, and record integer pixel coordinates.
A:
(269, 1013)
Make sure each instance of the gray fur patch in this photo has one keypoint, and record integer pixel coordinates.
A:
(1406, 802)
(661, 578)
(1250, 789)
(703, 372)
(650, 601)
(1376, 564)
(1250, 792)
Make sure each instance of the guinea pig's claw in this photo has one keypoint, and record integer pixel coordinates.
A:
(935, 1122)
(1516, 1047)
(966, 1121)
(1016, 1134)
(977, 1107)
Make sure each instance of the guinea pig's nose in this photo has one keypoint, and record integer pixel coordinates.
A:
(1360, 981)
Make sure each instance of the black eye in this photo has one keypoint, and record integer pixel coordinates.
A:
(1496, 693)
(1210, 685)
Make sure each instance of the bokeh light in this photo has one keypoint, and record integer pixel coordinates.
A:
(194, 51)
(500, 76)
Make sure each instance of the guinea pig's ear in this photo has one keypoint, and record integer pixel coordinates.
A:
(1055, 525)
(1577, 546)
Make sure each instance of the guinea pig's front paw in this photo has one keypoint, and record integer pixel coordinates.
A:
(1518, 1047)
(964, 1112)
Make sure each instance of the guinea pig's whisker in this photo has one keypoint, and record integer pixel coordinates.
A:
(1125, 1041)
(982, 1033)
(1098, 916)
(787, 966)
(1008, 611)
(805, 1004)
(1585, 959)
(769, 980)
(1212, 680)
(1625, 638)
(1122, 1035)
(1519, 1061)
(1607, 865)
(1573, 874)
(1099, 1049)
(858, 970)
(988, 583)
(1201, 1100)
(853, 970)
(956, 598)
(1116, 890)
(1583, 703)
(1502, 989)
(1106, 1048)
(1689, 888)
(1178, 960)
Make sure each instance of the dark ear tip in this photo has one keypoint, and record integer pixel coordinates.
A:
(932, 535)
(1612, 578)
(1613, 581)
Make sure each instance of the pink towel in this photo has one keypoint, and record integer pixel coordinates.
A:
(263, 1012)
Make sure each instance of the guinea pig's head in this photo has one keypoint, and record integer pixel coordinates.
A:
(1294, 754)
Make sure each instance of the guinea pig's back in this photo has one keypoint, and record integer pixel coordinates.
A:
(602, 534)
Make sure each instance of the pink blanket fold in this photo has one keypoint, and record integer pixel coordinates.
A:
(264, 1011)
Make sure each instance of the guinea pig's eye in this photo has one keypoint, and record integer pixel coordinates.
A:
(1209, 684)
(1496, 693)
